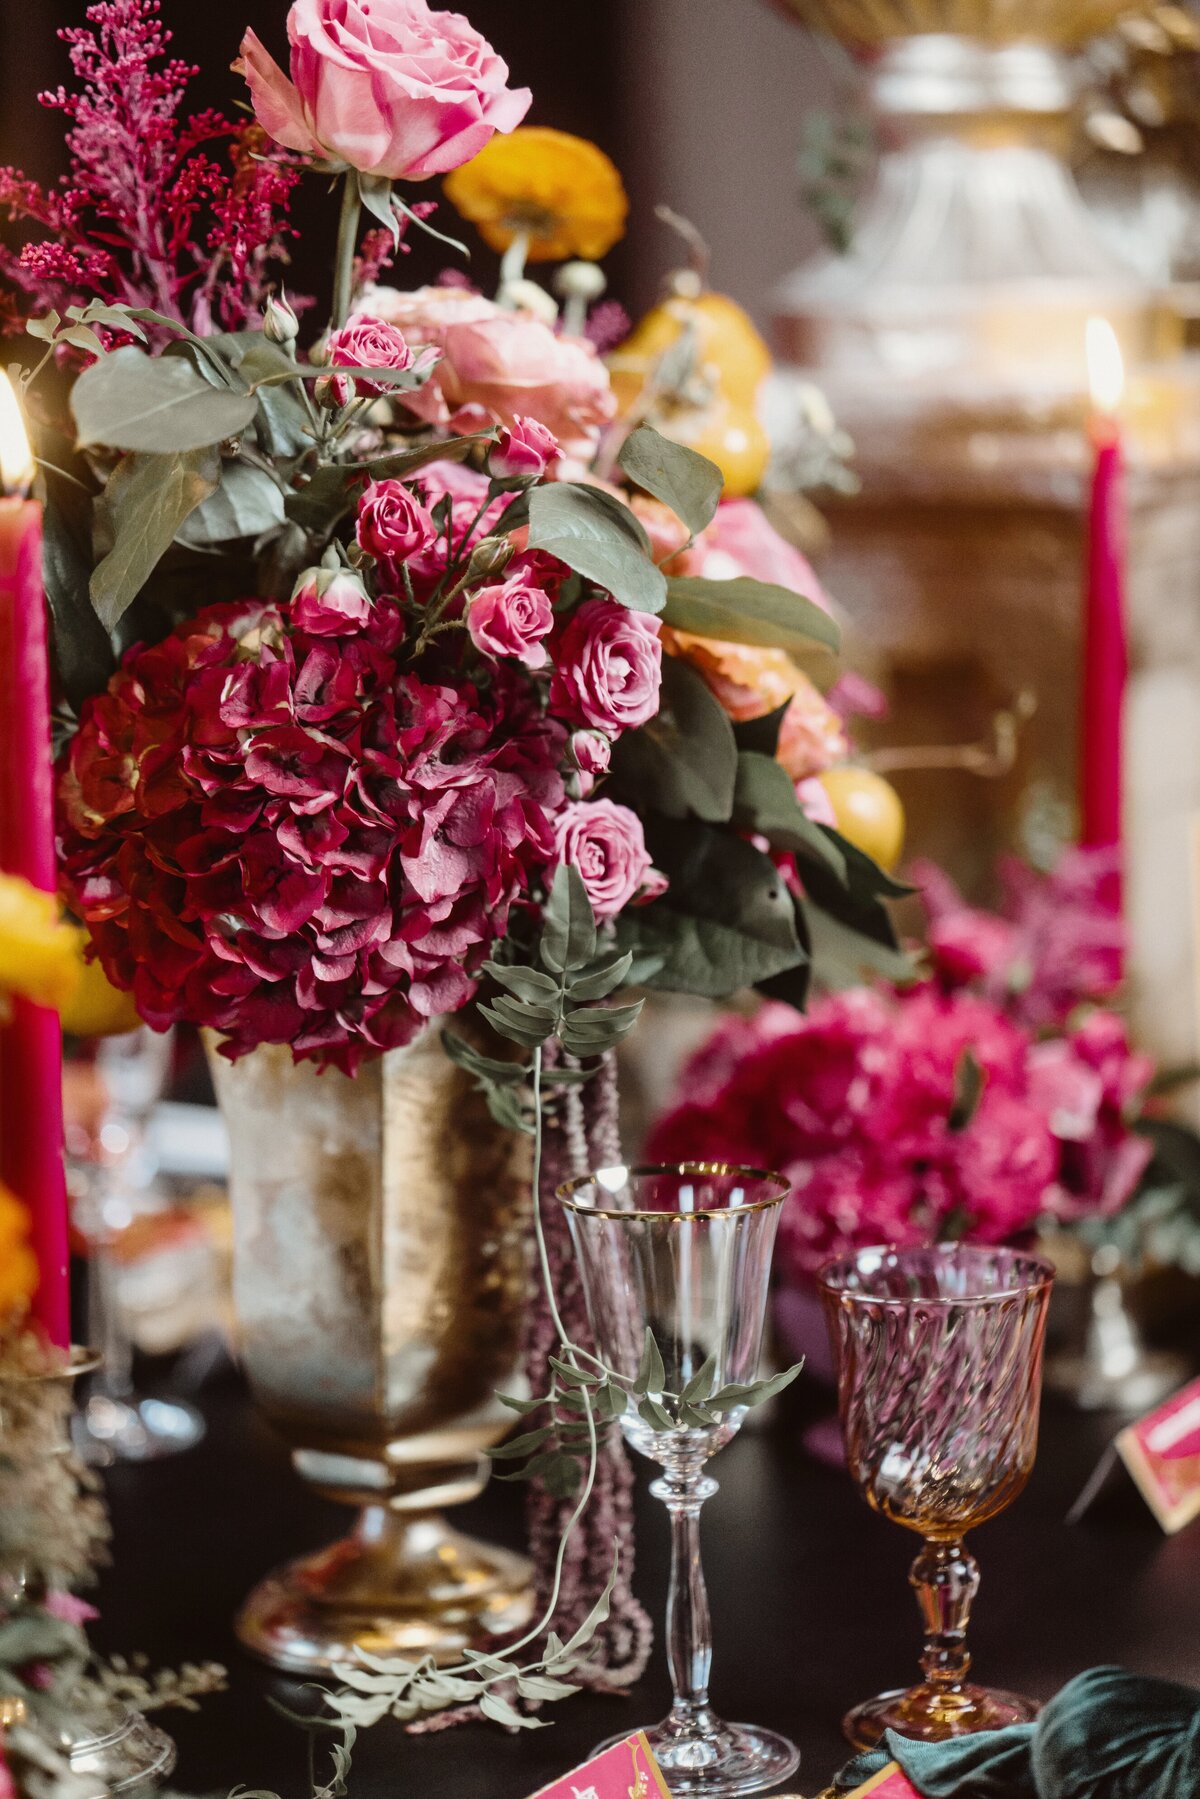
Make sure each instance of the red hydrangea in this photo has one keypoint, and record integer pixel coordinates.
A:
(284, 836)
(861, 1105)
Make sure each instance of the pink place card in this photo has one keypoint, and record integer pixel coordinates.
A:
(1162, 1452)
(626, 1771)
(891, 1783)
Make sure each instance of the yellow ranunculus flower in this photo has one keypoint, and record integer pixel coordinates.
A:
(563, 192)
(18, 1264)
(39, 955)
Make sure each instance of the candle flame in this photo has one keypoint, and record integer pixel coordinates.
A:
(16, 457)
(1106, 367)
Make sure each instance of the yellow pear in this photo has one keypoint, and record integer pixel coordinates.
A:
(868, 812)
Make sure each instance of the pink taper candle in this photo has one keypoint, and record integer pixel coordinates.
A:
(31, 1113)
(1106, 654)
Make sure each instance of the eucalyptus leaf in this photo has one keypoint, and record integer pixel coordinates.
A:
(375, 193)
(656, 1415)
(147, 500)
(501, 1712)
(522, 1445)
(157, 404)
(701, 1383)
(599, 982)
(591, 1624)
(683, 761)
(597, 536)
(652, 1374)
(247, 504)
(82, 651)
(682, 479)
(753, 612)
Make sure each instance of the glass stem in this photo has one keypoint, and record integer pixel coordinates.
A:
(945, 1577)
(683, 1490)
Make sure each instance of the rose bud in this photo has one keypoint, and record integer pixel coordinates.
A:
(330, 602)
(280, 324)
(523, 451)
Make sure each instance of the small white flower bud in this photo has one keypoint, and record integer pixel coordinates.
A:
(280, 324)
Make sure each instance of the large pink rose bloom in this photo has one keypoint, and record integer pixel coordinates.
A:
(742, 541)
(514, 367)
(386, 86)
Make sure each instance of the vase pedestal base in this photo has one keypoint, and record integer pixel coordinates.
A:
(402, 1584)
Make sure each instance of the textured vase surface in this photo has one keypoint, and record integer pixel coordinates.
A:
(381, 1279)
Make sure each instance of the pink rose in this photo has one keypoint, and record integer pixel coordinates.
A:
(511, 620)
(515, 367)
(386, 86)
(392, 522)
(366, 343)
(605, 843)
(524, 451)
(742, 541)
(330, 602)
(591, 752)
(608, 668)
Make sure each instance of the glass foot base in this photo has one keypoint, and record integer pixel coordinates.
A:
(108, 1430)
(930, 1714)
(723, 1760)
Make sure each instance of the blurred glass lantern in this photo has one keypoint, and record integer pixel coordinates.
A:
(949, 340)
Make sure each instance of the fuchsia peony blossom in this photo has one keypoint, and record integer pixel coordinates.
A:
(857, 1104)
(512, 619)
(605, 843)
(284, 836)
(607, 668)
(384, 86)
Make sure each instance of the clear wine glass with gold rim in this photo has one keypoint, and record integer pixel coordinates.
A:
(939, 1355)
(679, 1259)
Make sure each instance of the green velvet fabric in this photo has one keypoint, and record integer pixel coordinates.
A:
(1106, 1735)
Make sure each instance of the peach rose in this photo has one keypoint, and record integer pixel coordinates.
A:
(512, 366)
(742, 541)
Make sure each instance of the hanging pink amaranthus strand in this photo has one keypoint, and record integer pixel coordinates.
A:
(582, 1132)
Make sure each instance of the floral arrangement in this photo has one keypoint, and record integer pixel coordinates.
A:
(363, 641)
(993, 1094)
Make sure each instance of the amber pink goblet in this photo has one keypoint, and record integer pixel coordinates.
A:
(939, 1355)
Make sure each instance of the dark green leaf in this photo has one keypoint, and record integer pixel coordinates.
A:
(468, 1057)
(147, 500)
(753, 612)
(969, 1082)
(701, 1383)
(526, 983)
(82, 651)
(655, 1415)
(651, 1374)
(245, 505)
(727, 920)
(598, 537)
(568, 927)
(762, 734)
(601, 980)
(611, 1403)
(683, 761)
(764, 801)
(524, 1408)
(591, 1624)
(530, 1014)
(132, 401)
(688, 483)
(753, 1393)
(574, 1377)
(844, 954)
(522, 1445)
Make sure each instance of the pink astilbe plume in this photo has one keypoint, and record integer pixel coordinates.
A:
(184, 215)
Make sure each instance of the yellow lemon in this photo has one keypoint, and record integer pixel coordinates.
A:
(868, 812)
(96, 1008)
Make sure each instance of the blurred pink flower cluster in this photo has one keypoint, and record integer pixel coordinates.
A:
(866, 1104)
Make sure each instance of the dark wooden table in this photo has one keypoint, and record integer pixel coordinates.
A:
(810, 1601)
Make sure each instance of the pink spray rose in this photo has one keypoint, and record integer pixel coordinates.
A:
(365, 344)
(591, 752)
(330, 602)
(385, 86)
(608, 668)
(392, 522)
(512, 619)
(605, 843)
(524, 451)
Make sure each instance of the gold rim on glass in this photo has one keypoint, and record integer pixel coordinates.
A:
(702, 1170)
(852, 1296)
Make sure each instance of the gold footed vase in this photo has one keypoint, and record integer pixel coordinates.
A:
(381, 1274)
